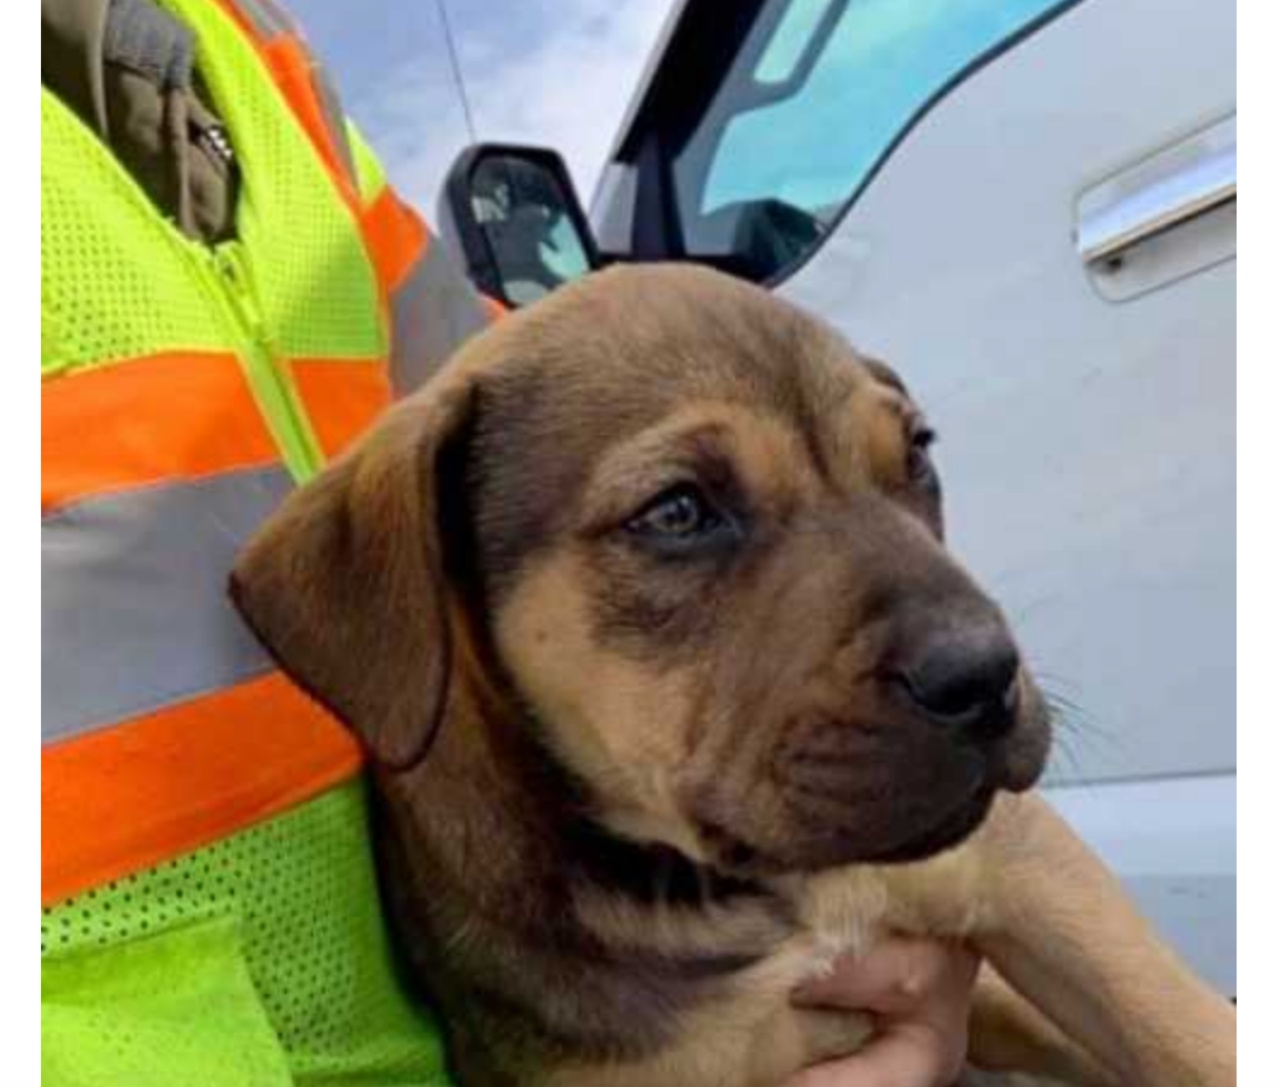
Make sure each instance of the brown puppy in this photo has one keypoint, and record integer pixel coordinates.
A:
(669, 685)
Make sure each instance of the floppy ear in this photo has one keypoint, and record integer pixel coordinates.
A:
(344, 583)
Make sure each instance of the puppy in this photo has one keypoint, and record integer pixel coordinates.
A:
(672, 693)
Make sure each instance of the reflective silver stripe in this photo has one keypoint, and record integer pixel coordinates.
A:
(334, 118)
(432, 313)
(135, 615)
(268, 18)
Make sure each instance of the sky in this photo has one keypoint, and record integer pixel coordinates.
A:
(556, 74)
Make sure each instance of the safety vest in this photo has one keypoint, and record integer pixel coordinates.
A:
(186, 389)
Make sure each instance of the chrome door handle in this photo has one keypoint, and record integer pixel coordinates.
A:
(1170, 188)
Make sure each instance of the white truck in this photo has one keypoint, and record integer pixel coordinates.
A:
(1029, 207)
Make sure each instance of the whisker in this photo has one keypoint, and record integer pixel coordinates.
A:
(1077, 733)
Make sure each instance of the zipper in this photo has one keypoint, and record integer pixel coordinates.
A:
(232, 283)
(226, 277)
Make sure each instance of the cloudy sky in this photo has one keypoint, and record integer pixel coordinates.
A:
(551, 72)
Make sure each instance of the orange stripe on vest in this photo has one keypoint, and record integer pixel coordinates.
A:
(145, 421)
(396, 237)
(132, 796)
(286, 59)
(343, 398)
(291, 68)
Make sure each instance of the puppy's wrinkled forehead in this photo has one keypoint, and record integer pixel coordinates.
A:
(620, 353)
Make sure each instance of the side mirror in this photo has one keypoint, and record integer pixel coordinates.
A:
(515, 218)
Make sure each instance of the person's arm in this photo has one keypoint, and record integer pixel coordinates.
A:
(1007, 1034)
(920, 993)
(1065, 935)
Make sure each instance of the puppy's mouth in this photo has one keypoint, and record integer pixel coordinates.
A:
(734, 854)
(950, 831)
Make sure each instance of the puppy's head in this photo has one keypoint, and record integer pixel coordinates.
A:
(701, 540)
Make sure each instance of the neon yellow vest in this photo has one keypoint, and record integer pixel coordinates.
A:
(224, 928)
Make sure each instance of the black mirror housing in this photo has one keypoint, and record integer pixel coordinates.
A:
(513, 214)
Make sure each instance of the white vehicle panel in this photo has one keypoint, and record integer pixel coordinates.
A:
(1087, 446)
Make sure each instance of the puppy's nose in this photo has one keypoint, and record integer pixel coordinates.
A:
(966, 680)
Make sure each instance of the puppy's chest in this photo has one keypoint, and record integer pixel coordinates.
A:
(736, 1025)
(849, 910)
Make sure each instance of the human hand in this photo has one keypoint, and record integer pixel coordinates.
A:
(919, 992)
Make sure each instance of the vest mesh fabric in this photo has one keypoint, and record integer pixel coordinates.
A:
(284, 914)
(116, 280)
(369, 174)
(129, 1016)
(261, 959)
(119, 281)
(313, 278)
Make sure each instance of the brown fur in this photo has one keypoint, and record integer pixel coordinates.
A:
(631, 793)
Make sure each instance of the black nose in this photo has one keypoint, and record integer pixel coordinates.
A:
(966, 680)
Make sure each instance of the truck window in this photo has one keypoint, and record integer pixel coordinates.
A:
(811, 103)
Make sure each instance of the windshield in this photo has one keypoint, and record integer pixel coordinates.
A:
(818, 93)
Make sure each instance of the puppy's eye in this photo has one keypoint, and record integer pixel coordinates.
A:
(679, 514)
(919, 462)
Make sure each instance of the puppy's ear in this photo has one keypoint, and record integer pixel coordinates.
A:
(344, 584)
